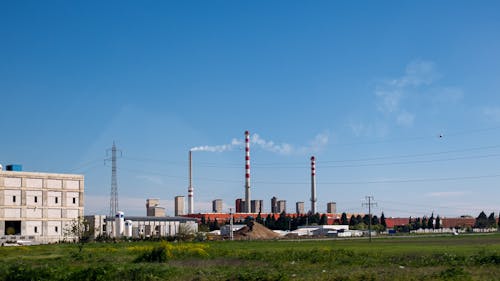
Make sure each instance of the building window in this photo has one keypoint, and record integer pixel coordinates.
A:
(13, 199)
(74, 200)
(36, 199)
(56, 229)
(36, 229)
(57, 200)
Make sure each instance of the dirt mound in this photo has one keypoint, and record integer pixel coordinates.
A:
(257, 231)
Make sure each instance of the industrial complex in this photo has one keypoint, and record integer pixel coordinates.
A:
(41, 207)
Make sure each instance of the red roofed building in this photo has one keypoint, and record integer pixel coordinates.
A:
(392, 222)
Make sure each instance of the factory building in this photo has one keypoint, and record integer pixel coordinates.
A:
(239, 205)
(281, 206)
(152, 208)
(139, 227)
(299, 206)
(38, 207)
(274, 205)
(331, 207)
(256, 206)
(179, 206)
(217, 206)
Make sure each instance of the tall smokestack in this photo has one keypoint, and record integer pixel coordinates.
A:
(247, 172)
(190, 188)
(313, 185)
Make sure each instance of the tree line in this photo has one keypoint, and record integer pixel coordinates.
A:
(356, 222)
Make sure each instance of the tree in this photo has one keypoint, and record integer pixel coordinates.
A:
(215, 225)
(259, 219)
(481, 220)
(185, 232)
(323, 220)
(416, 225)
(343, 219)
(492, 222)
(282, 222)
(353, 221)
(375, 220)
(78, 231)
(430, 222)
(438, 222)
(382, 221)
(366, 219)
(424, 222)
(270, 221)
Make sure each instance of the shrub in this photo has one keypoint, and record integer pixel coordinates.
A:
(166, 251)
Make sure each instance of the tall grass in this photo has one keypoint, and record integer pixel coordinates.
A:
(446, 258)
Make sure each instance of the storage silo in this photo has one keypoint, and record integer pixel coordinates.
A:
(128, 229)
(119, 224)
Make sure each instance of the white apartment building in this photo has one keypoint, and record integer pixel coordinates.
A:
(39, 207)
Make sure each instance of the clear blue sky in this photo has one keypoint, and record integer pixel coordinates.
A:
(397, 99)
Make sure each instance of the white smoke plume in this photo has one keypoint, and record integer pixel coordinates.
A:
(283, 148)
(218, 148)
(317, 144)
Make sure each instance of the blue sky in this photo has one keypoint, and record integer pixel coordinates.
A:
(396, 99)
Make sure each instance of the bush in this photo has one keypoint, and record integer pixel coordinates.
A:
(166, 251)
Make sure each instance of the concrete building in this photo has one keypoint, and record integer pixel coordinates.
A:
(256, 206)
(152, 208)
(239, 204)
(39, 206)
(217, 206)
(299, 206)
(179, 206)
(281, 206)
(331, 207)
(274, 205)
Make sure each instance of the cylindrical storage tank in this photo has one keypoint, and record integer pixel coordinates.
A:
(128, 229)
(119, 224)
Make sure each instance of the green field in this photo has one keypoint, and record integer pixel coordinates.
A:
(466, 257)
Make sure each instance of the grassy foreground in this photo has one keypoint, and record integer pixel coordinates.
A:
(425, 258)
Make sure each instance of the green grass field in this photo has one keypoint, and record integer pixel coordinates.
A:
(466, 257)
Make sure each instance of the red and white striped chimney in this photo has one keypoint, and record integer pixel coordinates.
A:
(190, 188)
(313, 185)
(247, 172)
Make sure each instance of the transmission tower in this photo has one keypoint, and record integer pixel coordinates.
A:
(113, 198)
(369, 203)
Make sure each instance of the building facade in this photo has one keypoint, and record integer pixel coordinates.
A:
(331, 207)
(39, 206)
(281, 206)
(141, 227)
(152, 208)
(274, 205)
(299, 207)
(239, 205)
(256, 206)
(217, 206)
(179, 206)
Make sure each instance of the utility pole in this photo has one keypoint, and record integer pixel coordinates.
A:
(113, 200)
(231, 237)
(369, 203)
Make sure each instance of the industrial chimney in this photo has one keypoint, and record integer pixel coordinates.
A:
(190, 188)
(247, 172)
(313, 185)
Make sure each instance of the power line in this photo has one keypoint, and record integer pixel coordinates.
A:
(412, 162)
(414, 155)
(302, 166)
